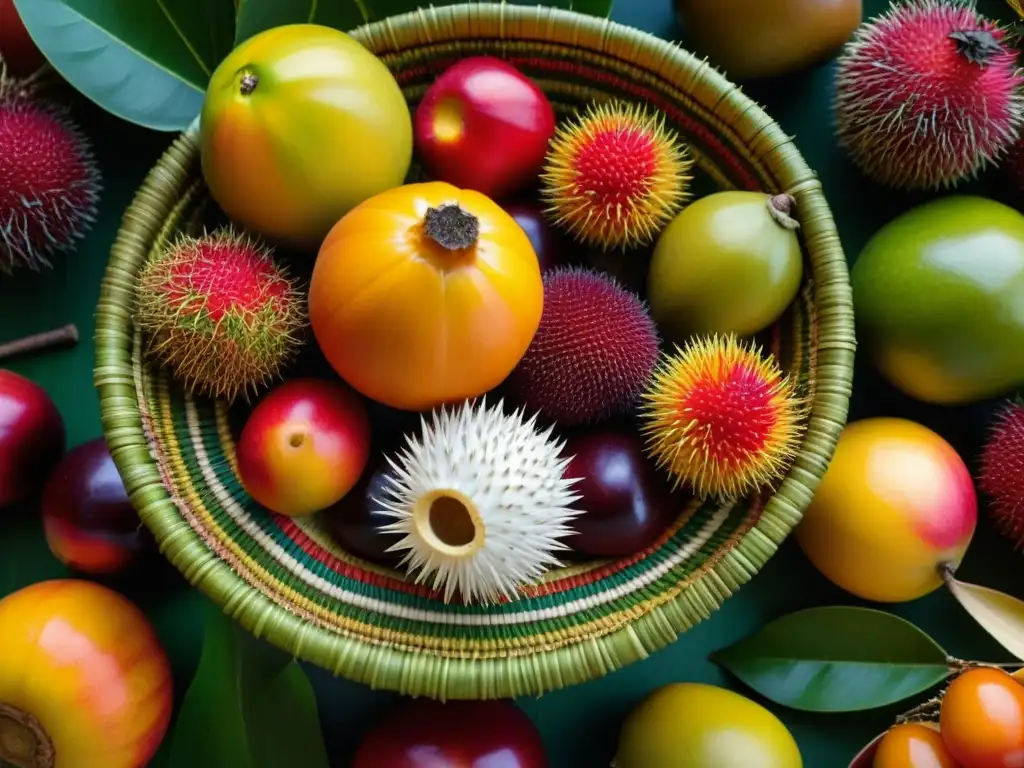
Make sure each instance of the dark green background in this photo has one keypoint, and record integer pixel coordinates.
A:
(580, 724)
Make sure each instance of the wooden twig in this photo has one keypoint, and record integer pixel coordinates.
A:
(65, 336)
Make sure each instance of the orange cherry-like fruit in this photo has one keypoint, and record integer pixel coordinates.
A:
(84, 682)
(304, 446)
(982, 719)
(913, 745)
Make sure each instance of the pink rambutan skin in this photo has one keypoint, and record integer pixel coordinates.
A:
(49, 182)
(913, 110)
(1001, 475)
(593, 353)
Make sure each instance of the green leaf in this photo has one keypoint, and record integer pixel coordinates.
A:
(249, 706)
(837, 659)
(146, 61)
(255, 16)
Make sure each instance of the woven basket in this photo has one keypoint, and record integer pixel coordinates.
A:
(287, 581)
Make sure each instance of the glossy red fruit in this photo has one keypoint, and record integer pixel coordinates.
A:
(354, 523)
(627, 504)
(304, 446)
(421, 733)
(90, 523)
(32, 437)
(17, 49)
(548, 243)
(484, 125)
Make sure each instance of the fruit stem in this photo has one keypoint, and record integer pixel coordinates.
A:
(23, 742)
(248, 83)
(451, 227)
(976, 45)
(66, 335)
(781, 209)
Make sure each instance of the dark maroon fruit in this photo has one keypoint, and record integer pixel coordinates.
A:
(90, 523)
(626, 504)
(355, 525)
(548, 244)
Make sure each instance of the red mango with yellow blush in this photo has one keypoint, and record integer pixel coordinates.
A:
(896, 506)
(84, 681)
(304, 446)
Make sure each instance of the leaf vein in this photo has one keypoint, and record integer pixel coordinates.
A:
(184, 39)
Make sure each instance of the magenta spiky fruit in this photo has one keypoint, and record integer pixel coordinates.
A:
(49, 182)
(593, 353)
(928, 94)
(220, 313)
(1001, 476)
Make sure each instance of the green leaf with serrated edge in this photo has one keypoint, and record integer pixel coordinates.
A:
(837, 659)
(249, 706)
(145, 61)
(255, 16)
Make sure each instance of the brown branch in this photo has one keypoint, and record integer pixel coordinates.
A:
(65, 336)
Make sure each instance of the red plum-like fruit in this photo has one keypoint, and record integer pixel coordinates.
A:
(484, 125)
(304, 446)
(89, 521)
(17, 48)
(32, 437)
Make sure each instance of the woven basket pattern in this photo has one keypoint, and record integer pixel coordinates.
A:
(287, 581)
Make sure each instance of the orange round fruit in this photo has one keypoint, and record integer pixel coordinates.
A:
(301, 123)
(84, 682)
(982, 719)
(913, 745)
(425, 294)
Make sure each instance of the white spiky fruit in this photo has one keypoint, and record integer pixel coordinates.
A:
(481, 502)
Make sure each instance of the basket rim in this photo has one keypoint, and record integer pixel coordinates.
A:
(399, 670)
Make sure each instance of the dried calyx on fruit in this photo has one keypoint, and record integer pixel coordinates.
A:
(480, 501)
(220, 312)
(49, 182)
(928, 94)
(721, 417)
(615, 176)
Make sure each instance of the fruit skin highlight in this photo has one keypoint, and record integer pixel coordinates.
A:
(928, 95)
(441, 303)
(304, 446)
(484, 125)
(49, 181)
(89, 521)
(912, 745)
(934, 292)
(83, 678)
(713, 727)
(593, 353)
(1001, 476)
(895, 505)
(301, 123)
(982, 719)
(730, 262)
(32, 437)
(220, 313)
(615, 176)
(721, 417)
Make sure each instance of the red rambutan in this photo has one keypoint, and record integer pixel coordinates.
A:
(615, 176)
(593, 353)
(1001, 475)
(49, 182)
(220, 313)
(721, 417)
(928, 94)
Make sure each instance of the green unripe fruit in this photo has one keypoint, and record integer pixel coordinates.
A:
(939, 300)
(728, 263)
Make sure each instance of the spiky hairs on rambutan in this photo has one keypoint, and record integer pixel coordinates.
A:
(615, 175)
(481, 501)
(49, 181)
(721, 417)
(220, 313)
(593, 352)
(1001, 475)
(928, 94)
